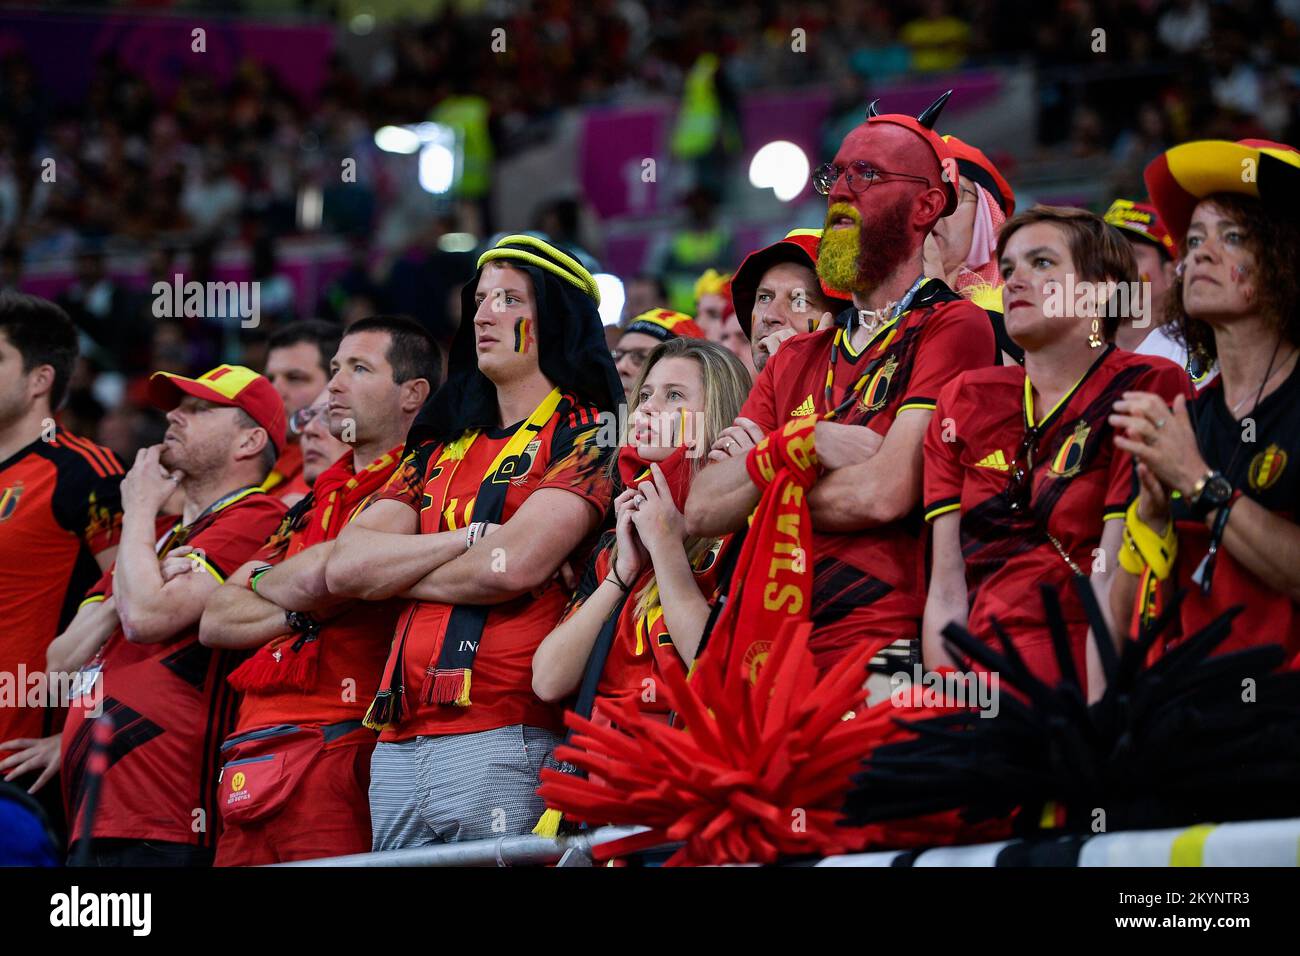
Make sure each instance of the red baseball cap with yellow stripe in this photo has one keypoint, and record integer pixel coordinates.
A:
(1182, 176)
(231, 385)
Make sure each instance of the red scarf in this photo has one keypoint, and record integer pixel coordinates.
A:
(289, 662)
(677, 469)
(340, 492)
(633, 470)
(775, 588)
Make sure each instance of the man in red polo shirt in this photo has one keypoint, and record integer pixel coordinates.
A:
(295, 774)
(876, 375)
(164, 693)
(505, 479)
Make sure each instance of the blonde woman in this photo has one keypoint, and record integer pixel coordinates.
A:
(649, 585)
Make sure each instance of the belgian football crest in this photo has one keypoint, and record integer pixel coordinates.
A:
(9, 500)
(1069, 457)
(877, 390)
(709, 558)
(755, 657)
(516, 469)
(1265, 469)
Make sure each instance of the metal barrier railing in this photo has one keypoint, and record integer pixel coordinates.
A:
(574, 850)
(1244, 843)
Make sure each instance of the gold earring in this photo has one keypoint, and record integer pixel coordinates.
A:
(1094, 337)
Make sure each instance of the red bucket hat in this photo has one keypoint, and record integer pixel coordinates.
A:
(799, 246)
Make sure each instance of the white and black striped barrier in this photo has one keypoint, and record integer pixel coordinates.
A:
(1253, 843)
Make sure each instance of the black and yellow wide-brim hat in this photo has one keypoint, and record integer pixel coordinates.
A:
(1181, 177)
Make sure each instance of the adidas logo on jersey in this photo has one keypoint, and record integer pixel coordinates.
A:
(806, 407)
(996, 461)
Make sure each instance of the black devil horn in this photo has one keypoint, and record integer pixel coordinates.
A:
(871, 109)
(931, 112)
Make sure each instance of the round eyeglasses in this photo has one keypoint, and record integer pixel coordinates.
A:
(859, 175)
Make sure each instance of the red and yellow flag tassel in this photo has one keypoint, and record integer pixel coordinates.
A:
(384, 711)
(447, 687)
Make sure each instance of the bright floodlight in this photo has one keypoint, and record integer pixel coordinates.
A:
(782, 166)
(397, 139)
(457, 242)
(611, 297)
(437, 168)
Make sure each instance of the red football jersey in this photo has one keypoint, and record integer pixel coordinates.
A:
(870, 585)
(1079, 480)
(1265, 469)
(634, 668)
(59, 507)
(353, 648)
(169, 703)
(563, 455)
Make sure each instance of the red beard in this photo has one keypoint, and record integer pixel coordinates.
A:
(884, 242)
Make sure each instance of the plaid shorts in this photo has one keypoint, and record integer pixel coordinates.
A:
(459, 787)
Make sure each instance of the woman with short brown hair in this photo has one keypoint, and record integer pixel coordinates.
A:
(1023, 483)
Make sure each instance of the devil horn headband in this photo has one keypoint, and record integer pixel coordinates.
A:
(931, 112)
(928, 115)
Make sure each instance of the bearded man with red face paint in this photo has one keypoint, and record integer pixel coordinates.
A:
(871, 381)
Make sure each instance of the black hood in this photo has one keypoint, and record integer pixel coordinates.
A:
(571, 337)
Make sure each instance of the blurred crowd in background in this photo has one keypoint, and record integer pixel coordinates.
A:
(178, 180)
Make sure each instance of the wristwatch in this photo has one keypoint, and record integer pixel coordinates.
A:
(1211, 491)
(304, 625)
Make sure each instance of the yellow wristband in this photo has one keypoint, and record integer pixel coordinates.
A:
(1130, 559)
(1157, 551)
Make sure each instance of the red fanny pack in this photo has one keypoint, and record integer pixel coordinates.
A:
(263, 768)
